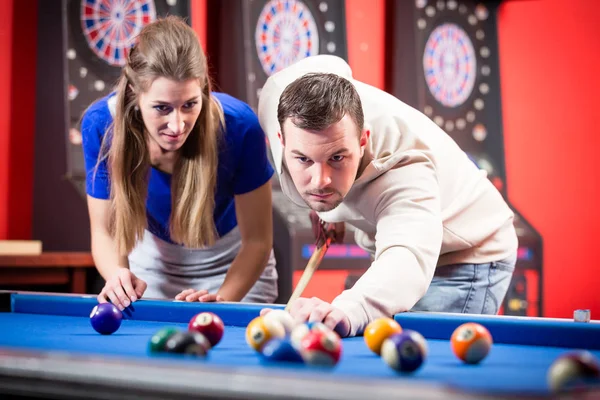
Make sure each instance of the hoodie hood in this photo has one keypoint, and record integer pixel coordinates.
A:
(276, 84)
(267, 114)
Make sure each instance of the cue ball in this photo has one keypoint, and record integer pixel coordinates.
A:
(571, 370)
(405, 351)
(284, 317)
(471, 342)
(208, 324)
(378, 330)
(106, 318)
(303, 329)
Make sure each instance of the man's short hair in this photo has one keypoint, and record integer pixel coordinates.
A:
(317, 100)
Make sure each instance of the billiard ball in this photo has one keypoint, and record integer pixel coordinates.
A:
(186, 342)
(322, 348)
(106, 318)
(405, 351)
(208, 324)
(284, 317)
(301, 330)
(378, 330)
(159, 339)
(281, 349)
(259, 331)
(571, 370)
(471, 342)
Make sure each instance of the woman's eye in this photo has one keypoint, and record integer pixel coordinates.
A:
(162, 108)
(190, 105)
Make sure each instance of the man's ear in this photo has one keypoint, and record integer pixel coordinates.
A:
(364, 139)
(280, 136)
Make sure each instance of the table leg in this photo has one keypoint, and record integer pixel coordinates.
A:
(78, 281)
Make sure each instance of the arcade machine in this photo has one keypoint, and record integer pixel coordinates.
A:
(248, 41)
(98, 35)
(444, 62)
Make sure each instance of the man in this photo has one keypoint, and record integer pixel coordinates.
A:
(441, 235)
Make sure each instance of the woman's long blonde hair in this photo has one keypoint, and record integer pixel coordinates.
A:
(165, 48)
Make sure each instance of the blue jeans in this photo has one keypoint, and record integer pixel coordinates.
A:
(468, 288)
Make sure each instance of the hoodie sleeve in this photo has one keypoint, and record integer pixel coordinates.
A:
(406, 208)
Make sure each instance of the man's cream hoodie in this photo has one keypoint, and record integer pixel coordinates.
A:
(419, 202)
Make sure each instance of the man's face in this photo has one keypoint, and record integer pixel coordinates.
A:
(323, 164)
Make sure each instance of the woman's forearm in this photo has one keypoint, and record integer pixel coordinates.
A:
(105, 255)
(245, 270)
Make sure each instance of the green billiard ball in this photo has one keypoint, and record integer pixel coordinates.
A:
(159, 339)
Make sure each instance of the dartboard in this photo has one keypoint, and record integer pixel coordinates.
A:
(110, 26)
(449, 65)
(286, 32)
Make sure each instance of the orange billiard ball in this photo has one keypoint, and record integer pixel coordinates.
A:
(260, 331)
(471, 342)
(379, 330)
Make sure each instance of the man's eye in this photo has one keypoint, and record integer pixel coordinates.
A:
(303, 160)
(337, 158)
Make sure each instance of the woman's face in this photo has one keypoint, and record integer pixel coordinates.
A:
(169, 110)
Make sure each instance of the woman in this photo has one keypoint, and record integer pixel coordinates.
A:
(178, 181)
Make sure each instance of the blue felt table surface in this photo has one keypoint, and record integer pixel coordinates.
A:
(509, 368)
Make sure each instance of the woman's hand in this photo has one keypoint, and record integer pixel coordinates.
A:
(122, 289)
(202, 296)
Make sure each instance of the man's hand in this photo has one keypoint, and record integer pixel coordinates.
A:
(202, 296)
(317, 310)
(337, 230)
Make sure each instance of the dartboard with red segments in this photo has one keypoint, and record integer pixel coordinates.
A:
(286, 31)
(110, 26)
(100, 34)
(449, 64)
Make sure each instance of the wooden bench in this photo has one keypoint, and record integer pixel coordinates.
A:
(48, 268)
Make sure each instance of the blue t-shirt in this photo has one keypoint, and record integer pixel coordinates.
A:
(243, 164)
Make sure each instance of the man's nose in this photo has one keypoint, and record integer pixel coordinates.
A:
(321, 176)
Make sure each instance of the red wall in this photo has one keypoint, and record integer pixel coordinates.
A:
(549, 62)
(366, 40)
(17, 116)
(6, 24)
(198, 11)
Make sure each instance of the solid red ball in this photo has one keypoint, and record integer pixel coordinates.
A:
(210, 325)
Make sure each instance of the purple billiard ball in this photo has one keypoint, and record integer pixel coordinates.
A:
(106, 318)
(404, 352)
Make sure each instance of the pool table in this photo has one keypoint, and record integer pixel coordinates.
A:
(48, 348)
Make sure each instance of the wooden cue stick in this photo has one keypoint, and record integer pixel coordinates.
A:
(311, 267)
